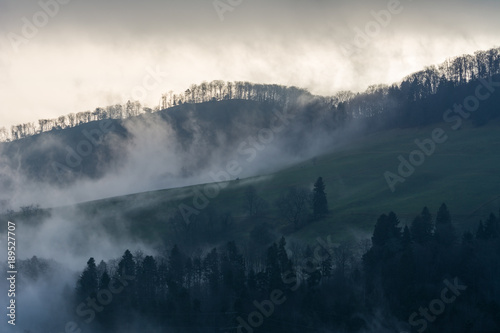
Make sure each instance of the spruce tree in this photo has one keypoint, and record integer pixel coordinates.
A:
(491, 227)
(285, 263)
(175, 269)
(422, 227)
(445, 232)
(273, 268)
(386, 229)
(320, 203)
(481, 233)
(147, 281)
(104, 281)
(126, 270)
(88, 283)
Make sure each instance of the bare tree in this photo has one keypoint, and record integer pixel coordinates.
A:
(342, 258)
(219, 85)
(194, 93)
(4, 135)
(42, 124)
(72, 119)
(61, 121)
(230, 87)
(293, 205)
(254, 204)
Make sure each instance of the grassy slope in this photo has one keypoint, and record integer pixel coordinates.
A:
(463, 172)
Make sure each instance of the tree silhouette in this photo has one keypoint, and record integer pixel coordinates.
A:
(88, 284)
(422, 227)
(445, 232)
(386, 229)
(491, 227)
(293, 206)
(254, 204)
(319, 201)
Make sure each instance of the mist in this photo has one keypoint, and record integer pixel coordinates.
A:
(91, 54)
(292, 43)
(178, 149)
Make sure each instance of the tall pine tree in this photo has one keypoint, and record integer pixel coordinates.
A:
(445, 232)
(88, 283)
(319, 201)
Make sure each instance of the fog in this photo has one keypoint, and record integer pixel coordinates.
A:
(155, 156)
(94, 54)
(162, 153)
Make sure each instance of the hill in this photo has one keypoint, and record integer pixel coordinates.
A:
(360, 145)
(462, 172)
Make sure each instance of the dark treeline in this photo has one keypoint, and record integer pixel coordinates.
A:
(117, 111)
(422, 98)
(219, 90)
(276, 94)
(421, 277)
(294, 208)
(419, 99)
(378, 99)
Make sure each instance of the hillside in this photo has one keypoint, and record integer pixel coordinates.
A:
(124, 187)
(273, 138)
(462, 172)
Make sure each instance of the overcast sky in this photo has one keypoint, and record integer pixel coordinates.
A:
(91, 53)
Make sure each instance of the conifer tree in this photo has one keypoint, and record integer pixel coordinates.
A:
(320, 203)
(88, 284)
(445, 232)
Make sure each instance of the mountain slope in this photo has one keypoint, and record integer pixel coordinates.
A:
(462, 172)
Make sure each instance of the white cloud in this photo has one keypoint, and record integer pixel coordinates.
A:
(92, 54)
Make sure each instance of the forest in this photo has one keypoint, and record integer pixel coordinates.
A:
(429, 274)
(398, 102)
(424, 276)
